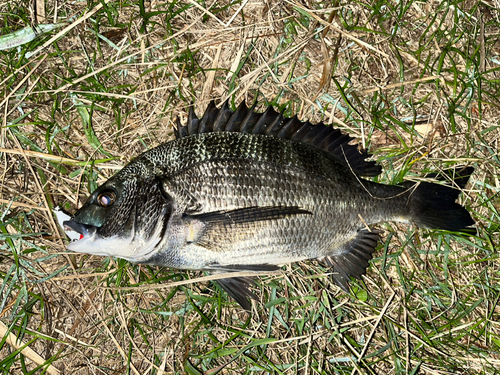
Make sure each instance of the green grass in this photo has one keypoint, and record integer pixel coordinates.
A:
(110, 87)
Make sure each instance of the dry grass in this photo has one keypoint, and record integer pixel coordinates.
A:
(416, 82)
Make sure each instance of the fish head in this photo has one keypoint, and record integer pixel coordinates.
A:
(126, 217)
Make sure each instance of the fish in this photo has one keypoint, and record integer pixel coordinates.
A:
(240, 190)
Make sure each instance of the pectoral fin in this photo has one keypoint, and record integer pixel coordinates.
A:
(218, 230)
(248, 215)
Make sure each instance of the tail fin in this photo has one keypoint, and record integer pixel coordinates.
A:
(433, 206)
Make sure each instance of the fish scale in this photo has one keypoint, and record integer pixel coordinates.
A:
(253, 191)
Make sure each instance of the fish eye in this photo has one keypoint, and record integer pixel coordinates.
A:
(106, 199)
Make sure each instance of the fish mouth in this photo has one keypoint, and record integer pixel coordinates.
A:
(88, 236)
(131, 245)
(83, 229)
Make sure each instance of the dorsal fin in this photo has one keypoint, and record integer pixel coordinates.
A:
(270, 122)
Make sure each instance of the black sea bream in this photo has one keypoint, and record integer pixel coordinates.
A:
(252, 191)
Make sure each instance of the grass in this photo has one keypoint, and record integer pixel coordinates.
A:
(415, 82)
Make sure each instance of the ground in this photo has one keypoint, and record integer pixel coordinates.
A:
(416, 83)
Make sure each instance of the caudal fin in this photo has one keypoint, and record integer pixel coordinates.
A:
(433, 205)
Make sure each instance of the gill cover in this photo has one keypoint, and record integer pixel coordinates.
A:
(124, 217)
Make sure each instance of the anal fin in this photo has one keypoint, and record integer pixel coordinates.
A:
(353, 261)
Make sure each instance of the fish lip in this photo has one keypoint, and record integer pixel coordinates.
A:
(84, 229)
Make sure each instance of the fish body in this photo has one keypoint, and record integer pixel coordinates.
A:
(253, 191)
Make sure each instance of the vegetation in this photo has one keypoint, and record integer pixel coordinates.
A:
(417, 83)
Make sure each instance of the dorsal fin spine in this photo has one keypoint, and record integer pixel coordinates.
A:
(177, 127)
(222, 117)
(207, 121)
(290, 126)
(265, 118)
(272, 123)
(237, 117)
(275, 126)
(248, 121)
(193, 122)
